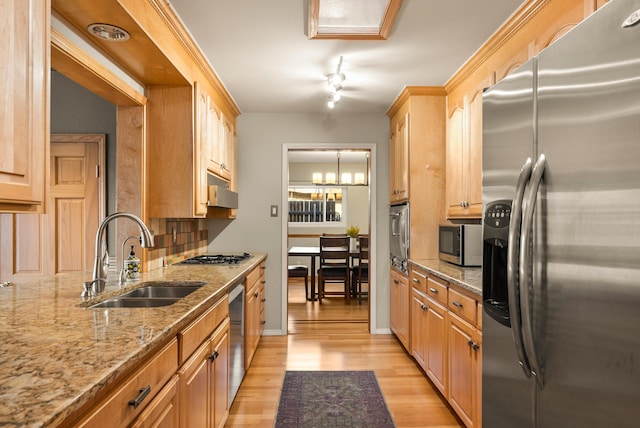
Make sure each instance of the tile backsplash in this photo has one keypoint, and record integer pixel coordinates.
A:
(176, 239)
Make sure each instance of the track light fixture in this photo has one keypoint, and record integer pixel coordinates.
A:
(334, 85)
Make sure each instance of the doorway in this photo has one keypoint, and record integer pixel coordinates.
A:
(326, 208)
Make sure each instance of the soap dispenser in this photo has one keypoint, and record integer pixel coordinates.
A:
(132, 266)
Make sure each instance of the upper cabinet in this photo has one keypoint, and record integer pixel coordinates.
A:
(464, 157)
(24, 112)
(418, 136)
(399, 158)
(217, 135)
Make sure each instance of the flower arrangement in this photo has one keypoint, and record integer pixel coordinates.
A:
(353, 231)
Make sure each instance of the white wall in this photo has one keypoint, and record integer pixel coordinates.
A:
(261, 138)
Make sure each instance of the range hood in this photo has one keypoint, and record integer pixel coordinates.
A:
(221, 197)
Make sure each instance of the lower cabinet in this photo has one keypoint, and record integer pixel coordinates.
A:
(204, 382)
(446, 341)
(141, 390)
(399, 307)
(163, 411)
(254, 312)
(465, 370)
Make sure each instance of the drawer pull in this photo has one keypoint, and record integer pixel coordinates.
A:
(263, 300)
(473, 345)
(255, 294)
(213, 356)
(141, 396)
(263, 322)
(416, 280)
(457, 304)
(433, 290)
(395, 281)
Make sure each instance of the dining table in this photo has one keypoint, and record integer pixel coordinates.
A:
(314, 252)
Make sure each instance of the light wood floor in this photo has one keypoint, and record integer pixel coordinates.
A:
(334, 337)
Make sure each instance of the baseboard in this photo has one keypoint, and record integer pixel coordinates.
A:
(383, 331)
(274, 333)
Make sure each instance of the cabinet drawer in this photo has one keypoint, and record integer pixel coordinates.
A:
(419, 280)
(252, 278)
(196, 333)
(463, 306)
(437, 290)
(118, 409)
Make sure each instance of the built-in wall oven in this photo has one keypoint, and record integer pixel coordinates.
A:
(399, 237)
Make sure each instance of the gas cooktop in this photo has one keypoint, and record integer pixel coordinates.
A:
(216, 259)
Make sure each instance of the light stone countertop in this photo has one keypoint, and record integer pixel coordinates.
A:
(56, 355)
(469, 278)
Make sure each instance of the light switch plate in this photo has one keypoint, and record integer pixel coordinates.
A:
(274, 211)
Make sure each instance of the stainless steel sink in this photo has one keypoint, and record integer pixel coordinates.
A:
(152, 295)
(135, 302)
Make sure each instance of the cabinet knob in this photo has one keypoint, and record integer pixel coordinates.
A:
(423, 307)
(263, 300)
(473, 345)
(255, 294)
(213, 356)
(263, 322)
(395, 281)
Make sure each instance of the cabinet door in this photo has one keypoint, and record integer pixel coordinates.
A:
(472, 156)
(252, 325)
(455, 150)
(163, 411)
(436, 354)
(399, 157)
(399, 300)
(194, 388)
(227, 149)
(219, 381)
(419, 334)
(463, 366)
(24, 134)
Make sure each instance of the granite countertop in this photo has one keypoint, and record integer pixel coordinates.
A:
(56, 354)
(469, 278)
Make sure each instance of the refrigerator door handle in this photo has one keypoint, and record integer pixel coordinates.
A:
(513, 249)
(525, 269)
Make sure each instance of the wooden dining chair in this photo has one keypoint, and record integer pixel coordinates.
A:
(334, 265)
(360, 272)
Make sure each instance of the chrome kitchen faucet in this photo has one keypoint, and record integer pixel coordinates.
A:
(97, 284)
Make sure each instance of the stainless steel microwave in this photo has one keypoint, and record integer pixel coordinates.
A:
(460, 244)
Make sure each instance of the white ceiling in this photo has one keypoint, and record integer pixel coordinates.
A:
(260, 51)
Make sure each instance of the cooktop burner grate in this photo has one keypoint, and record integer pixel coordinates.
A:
(216, 259)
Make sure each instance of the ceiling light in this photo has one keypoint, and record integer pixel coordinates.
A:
(109, 32)
(335, 79)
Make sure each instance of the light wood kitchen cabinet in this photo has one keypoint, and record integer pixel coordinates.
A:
(188, 138)
(217, 137)
(204, 382)
(254, 311)
(138, 391)
(464, 365)
(163, 411)
(24, 114)
(418, 142)
(429, 328)
(464, 158)
(399, 304)
(399, 159)
(176, 178)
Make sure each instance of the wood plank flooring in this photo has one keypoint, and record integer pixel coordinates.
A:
(334, 337)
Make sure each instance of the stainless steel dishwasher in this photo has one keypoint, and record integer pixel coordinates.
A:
(236, 342)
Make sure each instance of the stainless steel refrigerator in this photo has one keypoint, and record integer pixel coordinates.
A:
(561, 232)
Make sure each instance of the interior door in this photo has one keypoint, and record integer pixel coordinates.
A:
(62, 240)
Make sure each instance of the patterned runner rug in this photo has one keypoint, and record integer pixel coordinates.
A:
(332, 399)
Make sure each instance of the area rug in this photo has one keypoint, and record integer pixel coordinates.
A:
(332, 399)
